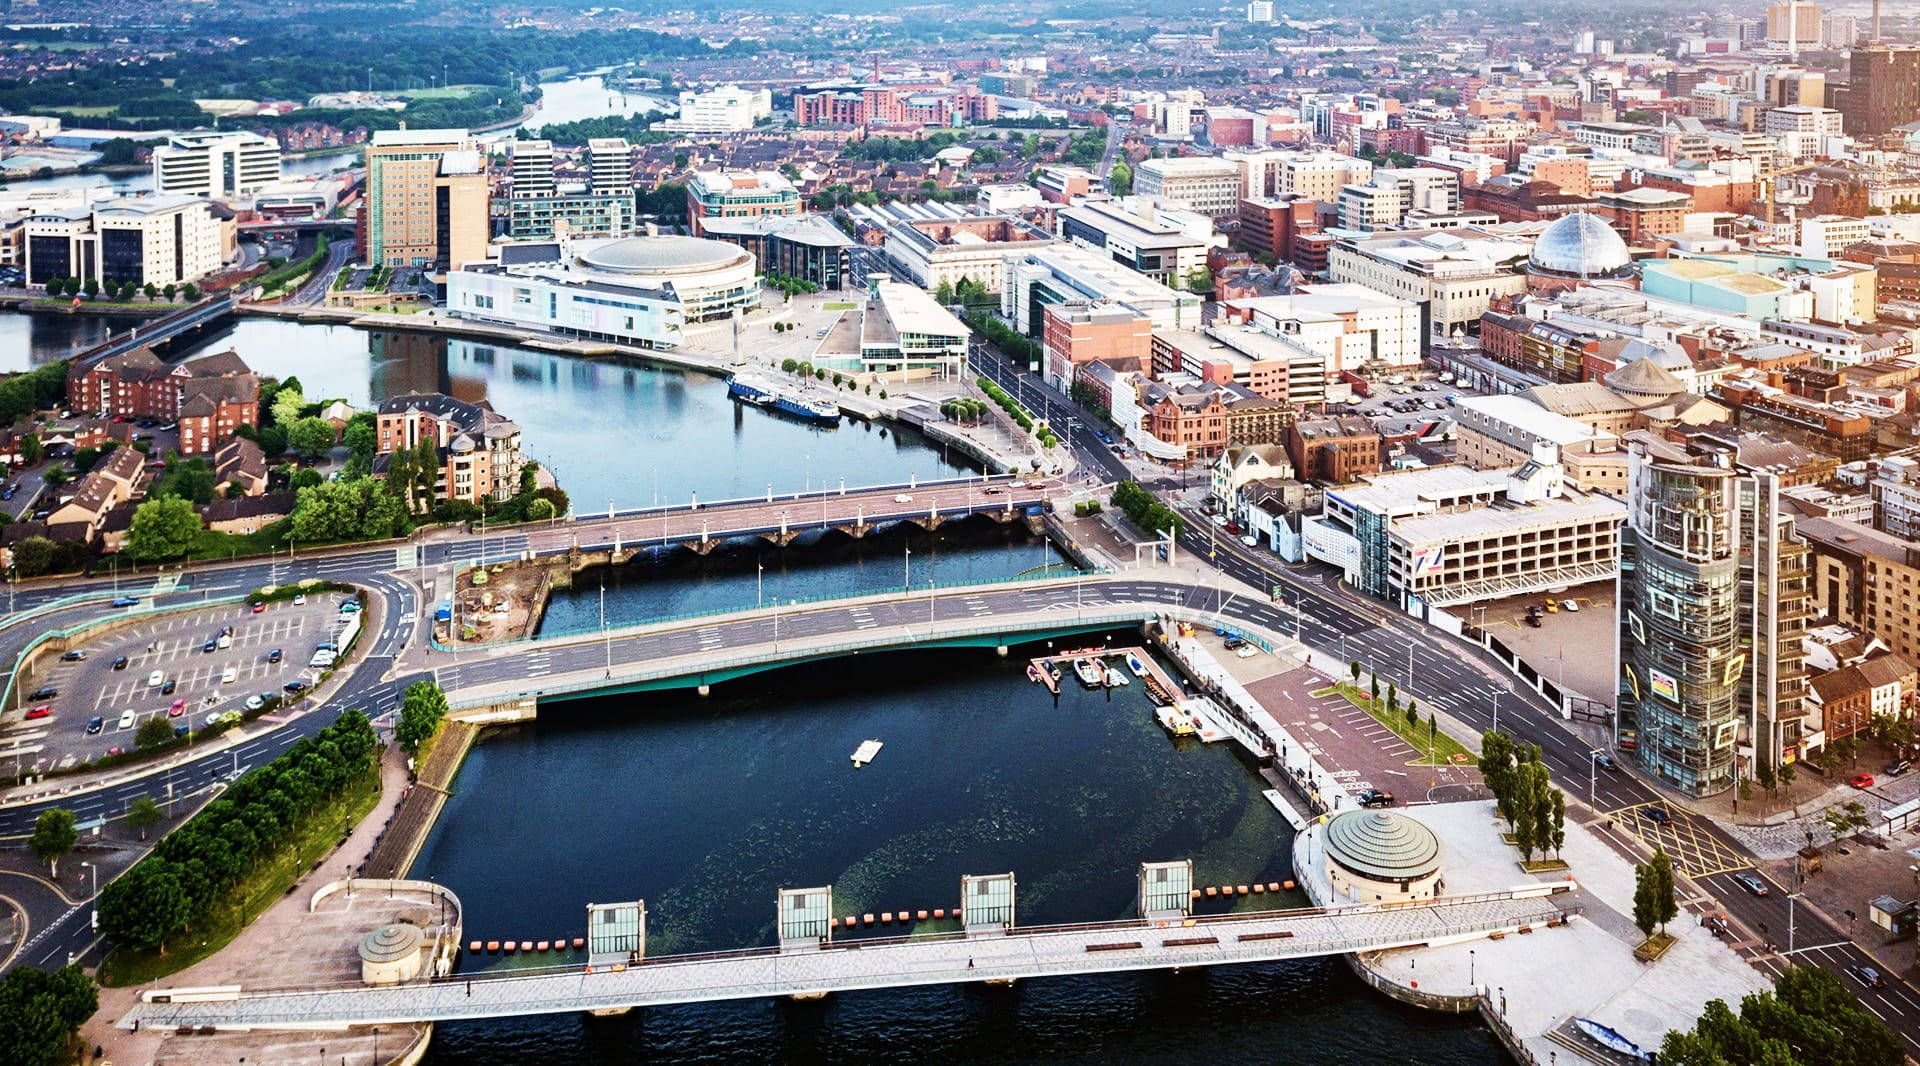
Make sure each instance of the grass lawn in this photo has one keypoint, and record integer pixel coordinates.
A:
(1438, 749)
(438, 94)
(211, 545)
(838, 306)
(85, 112)
(252, 895)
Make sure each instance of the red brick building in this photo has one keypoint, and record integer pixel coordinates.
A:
(218, 391)
(1334, 450)
(1076, 333)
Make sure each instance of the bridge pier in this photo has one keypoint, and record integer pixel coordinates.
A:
(610, 1012)
(856, 530)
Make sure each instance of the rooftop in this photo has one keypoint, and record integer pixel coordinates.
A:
(1382, 845)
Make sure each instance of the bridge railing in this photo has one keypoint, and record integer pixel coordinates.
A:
(915, 485)
(903, 592)
(1436, 909)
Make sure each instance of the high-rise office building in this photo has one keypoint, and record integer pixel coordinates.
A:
(212, 164)
(1793, 26)
(1713, 598)
(1882, 89)
(426, 200)
(542, 207)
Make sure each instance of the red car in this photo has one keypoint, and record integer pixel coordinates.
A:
(179, 707)
(39, 712)
(258, 607)
(1862, 781)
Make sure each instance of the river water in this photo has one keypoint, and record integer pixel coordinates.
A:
(624, 433)
(705, 807)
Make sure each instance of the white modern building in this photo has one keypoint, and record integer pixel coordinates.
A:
(1062, 274)
(1455, 272)
(215, 165)
(150, 240)
(728, 109)
(635, 290)
(1208, 186)
(1139, 233)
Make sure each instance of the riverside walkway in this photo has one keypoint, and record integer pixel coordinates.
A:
(1041, 951)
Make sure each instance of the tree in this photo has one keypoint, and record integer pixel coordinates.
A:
(168, 291)
(310, 436)
(420, 713)
(40, 1013)
(152, 732)
(33, 556)
(191, 292)
(307, 478)
(53, 837)
(1353, 668)
(1665, 906)
(943, 293)
(1120, 180)
(31, 449)
(143, 814)
(1787, 774)
(1767, 778)
(1646, 910)
(539, 509)
(91, 287)
(145, 905)
(360, 437)
(288, 401)
(164, 527)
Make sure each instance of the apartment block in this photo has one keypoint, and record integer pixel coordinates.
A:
(151, 240)
(1866, 579)
(1208, 186)
(426, 200)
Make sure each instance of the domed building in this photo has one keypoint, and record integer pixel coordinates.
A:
(636, 290)
(1375, 856)
(1577, 247)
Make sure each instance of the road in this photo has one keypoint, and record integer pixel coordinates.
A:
(315, 288)
(1116, 135)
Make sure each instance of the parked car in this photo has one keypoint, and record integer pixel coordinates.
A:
(1375, 797)
(126, 721)
(154, 679)
(74, 656)
(41, 711)
(95, 724)
(228, 675)
(44, 692)
(223, 642)
(273, 656)
(1897, 767)
(295, 687)
(1752, 884)
(258, 607)
(167, 689)
(179, 708)
(209, 646)
(1861, 781)
(254, 703)
(299, 599)
(1571, 605)
(1657, 815)
(120, 663)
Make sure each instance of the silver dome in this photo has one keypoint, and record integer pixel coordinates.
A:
(1580, 245)
(661, 255)
(1382, 845)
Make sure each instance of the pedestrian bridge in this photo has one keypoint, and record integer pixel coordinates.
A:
(814, 967)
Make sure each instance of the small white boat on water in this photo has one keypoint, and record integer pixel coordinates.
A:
(1174, 722)
(1090, 672)
(864, 754)
(1116, 679)
(1134, 664)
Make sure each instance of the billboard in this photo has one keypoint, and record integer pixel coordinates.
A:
(1664, 686)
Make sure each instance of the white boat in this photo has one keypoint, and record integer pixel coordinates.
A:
(864, 754)
(1090, 672)
(1173, 721)
(1116, 679)
(1134, 664)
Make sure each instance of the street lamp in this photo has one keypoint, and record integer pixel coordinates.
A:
(1471, 983)
(93, 877)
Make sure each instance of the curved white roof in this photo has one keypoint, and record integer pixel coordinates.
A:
(1580, 245)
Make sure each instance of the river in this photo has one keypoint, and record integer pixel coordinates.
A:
(703, 807)
(588, 96)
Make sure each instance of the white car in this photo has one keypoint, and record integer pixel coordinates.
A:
(901, 497)
(224, 642)
(126, 721)
(154, 679)
(1569, 605)
(1250, 541)
(254, 703)
(1220, 520)
(300, 599)
(322, 658)
(228, 675)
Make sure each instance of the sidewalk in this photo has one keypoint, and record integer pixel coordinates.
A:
(248, 959)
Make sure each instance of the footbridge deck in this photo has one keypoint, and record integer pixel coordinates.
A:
(1043, 951)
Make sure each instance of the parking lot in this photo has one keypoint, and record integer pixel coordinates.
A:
(1574, 648)
(172, 666)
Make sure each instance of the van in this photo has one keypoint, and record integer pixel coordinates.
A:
(321, 658)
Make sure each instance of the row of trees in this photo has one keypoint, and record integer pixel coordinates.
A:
(361, 509)
(1021, 349)
(967, 292)
(23, 394)
(286, 276)
(963, 409)
(1809, 1019)
(1535, 811)
(121, 290)
(1145, 511)
(187, 873)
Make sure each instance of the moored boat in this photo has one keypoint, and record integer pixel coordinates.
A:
(1090, 672)
(1116, 679)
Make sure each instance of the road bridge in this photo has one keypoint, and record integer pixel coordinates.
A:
(778, 519)
(504, 682)
(818, 967)
(159, 331)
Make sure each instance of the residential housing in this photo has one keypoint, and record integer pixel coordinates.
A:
(477, 448)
